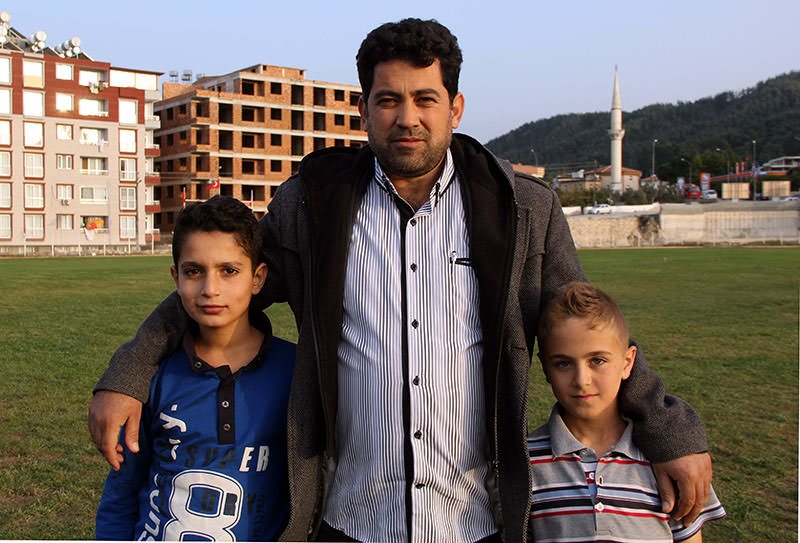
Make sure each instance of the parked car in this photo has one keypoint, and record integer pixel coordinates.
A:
(599, 209)
(791, 198)
(709, 194)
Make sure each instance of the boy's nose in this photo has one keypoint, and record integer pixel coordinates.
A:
(210, 285)
(583, 376)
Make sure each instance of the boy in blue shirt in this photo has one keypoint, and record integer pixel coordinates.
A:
(212, 464)
(589, 481)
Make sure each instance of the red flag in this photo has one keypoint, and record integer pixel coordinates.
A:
(183, 196)
(213, 183)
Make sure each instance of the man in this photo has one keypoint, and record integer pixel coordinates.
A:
(415, 268)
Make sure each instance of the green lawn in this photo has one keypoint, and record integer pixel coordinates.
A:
(720, 325)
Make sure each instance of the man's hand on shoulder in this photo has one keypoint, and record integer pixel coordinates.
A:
(108, 412)
(692, 475)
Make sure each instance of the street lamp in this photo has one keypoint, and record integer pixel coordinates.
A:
(535, 156)
(753, 167)
(653, 170)
(690, 167)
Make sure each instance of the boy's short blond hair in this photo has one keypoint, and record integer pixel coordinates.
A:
(584, 301)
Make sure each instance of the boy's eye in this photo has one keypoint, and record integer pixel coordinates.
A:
(562, 363)
(191, 272)
(230, 271)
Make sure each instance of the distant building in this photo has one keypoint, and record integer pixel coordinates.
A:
(780, 165)
(536, 171)
(629, 178)
(577, 181)
(245, 132)
(76, 148)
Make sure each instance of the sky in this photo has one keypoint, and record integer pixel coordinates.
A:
(524, 60)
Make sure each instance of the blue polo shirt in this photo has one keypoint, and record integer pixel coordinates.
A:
(213, 463)
(578, 496)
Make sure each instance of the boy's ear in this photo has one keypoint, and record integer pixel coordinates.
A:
(630, 357)
(259, 276)
(174, 271)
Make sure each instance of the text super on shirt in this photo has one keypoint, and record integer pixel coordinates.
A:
(213, 459)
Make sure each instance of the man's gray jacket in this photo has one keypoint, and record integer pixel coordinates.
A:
(521, 250)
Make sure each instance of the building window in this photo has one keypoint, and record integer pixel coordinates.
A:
(94, 195)
(64, 102)
(319, 121)
(33, 103)
(275, 114)
(34, 165)
(5, 163)
(127, 226)
(355, 123)
(64, 162)
(5, 70)
(94, 165)
(338, 95)
(127, 141)
(127, 198)
(338, 120)
(34, 226)
(64, 131)
(5, 195)
(64, 192)
(275, 140)
(121, 78)
(5, 226)
(5, 101)
(92, 107)
(93, 222)
(64, 222)
(64, 71)
(34, 196)
(93, 136)
(33, 74)
(354, 97)
(34, 134)
(274, 165)
(5, 132)
(127, 169)
(128, 113)
(275, 88)
(89, 77)
(319, 96)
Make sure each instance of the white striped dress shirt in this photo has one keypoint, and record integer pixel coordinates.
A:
(411, 415)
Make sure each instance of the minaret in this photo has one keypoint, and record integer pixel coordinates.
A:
(616, 133)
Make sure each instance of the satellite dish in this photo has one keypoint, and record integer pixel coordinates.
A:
(75, 42)
(5, 17)
(40, 35)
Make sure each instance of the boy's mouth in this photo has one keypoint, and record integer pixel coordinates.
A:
(211, 309)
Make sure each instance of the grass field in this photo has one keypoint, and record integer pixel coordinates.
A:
(719, 324)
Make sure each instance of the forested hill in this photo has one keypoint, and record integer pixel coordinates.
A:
(768, 113)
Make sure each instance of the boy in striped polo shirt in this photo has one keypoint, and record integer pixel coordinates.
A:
(590, 482)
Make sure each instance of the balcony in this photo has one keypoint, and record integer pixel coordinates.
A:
(153, 234)
(152, 178)
(93, 171)
(152, 150)
(153, 206)
(152, 122)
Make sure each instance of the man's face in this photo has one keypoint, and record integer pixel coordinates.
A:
(409, 118)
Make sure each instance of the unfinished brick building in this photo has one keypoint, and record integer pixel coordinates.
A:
(248, 130)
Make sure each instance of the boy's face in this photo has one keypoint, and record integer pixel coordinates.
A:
(585, 367)
(215, 279)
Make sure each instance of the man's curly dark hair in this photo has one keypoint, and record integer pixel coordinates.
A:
(417, 41)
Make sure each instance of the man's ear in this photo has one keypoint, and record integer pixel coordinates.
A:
(362, 110)
(456, 110)
(174, 271)
(630, 357)
(259, 276)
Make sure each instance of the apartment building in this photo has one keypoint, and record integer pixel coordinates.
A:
(244, 133)
(76, 149)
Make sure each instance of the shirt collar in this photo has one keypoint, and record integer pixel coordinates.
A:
(257, 318)
(562, 442)
(439, 187)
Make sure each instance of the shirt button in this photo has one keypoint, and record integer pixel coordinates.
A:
(600, 480)
(413, 222)
(416, 380)
(225, 403)
(413, 267)
(226, 427)
(198, 365)
(415, 323)
(418, 434)
(599, 507)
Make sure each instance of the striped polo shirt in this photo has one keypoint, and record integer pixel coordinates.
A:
(579, 497)
(410, 426)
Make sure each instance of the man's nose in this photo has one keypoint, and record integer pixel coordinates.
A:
(407, 114)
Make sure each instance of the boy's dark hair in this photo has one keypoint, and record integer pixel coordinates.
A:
(583, 301)
(417, 41)
(219, 214)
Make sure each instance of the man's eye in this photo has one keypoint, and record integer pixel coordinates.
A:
(598, 360)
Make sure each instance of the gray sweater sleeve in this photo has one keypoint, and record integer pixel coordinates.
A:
(134, 364)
